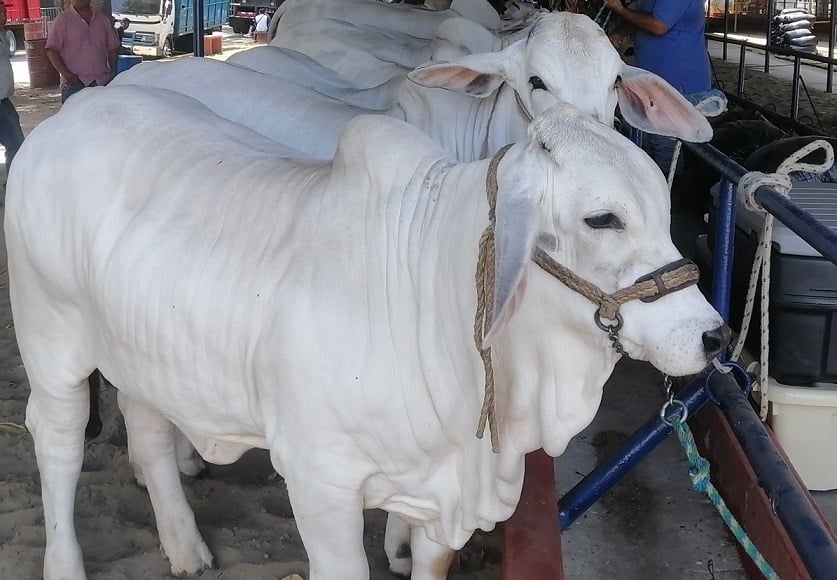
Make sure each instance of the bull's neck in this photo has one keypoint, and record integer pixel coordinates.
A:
(466, 127)
(550, 364)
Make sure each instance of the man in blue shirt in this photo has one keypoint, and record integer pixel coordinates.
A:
(669, 42)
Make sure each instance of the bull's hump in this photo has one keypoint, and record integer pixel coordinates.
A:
(381, 141)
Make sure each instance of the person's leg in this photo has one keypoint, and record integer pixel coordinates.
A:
(11, 135)
(68, 91)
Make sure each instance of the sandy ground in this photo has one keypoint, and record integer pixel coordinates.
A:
(241, 510)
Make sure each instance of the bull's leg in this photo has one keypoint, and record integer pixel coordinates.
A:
(330, 521)
(56, 418)
(188, 460)
(430, 560)
(151, 447)
(397, 546)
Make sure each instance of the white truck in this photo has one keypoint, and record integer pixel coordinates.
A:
(158, 28)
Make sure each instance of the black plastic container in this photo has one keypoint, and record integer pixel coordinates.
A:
(803, 291)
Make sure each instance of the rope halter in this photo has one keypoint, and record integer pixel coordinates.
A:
(675, 276)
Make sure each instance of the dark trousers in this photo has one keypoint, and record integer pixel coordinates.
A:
(11, 135)
(68, 91)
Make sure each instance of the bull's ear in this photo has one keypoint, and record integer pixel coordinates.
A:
(651, 104)
(477, 75)
(514, 235)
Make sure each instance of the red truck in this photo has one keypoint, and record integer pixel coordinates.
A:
(18, 13)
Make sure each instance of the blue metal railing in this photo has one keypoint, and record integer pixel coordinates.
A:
(812, 540)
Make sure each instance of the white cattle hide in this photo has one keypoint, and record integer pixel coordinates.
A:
(300, 69)
(359, 53)
(295, 116)
(476, 114)
(401, 18)
(324, 312)
(325, 38)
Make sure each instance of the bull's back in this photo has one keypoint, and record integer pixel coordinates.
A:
(156, 243)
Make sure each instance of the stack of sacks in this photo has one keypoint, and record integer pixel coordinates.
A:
(794, 28)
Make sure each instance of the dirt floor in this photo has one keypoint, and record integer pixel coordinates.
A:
(242, 510)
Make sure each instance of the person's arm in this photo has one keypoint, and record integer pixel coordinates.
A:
(58, 62)
(642, 20)
(113, 55)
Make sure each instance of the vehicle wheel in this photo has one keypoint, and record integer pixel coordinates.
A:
(168, 48)
(10, 37)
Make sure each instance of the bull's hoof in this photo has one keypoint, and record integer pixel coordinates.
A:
(202, 560)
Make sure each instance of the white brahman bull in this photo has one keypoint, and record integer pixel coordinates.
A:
(300, 69)
(488, 101)
(359, 53)
(326, 312)
(401, 18)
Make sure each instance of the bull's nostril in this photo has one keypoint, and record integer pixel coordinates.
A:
(715, 341)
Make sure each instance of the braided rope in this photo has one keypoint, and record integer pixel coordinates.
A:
(699, 473)
(485, 303)
(747, 186)
(609, 303)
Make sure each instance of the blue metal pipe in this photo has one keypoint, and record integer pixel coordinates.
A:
(576, 501)
(821, 238)
(723, 250)
(810, 537)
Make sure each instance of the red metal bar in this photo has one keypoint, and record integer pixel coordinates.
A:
(738, 484)
(532, 537)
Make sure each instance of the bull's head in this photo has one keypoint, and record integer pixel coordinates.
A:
(597, 204)
(568, 58)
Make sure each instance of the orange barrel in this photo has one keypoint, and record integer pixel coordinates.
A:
(207, 45)
(41, 72)
(215, 43)
(34, 30)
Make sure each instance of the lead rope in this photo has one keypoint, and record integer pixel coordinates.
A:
(747, 186)
(485, 303)
(702, 483)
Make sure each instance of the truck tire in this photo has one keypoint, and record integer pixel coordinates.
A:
(168, 48)
(12, 40)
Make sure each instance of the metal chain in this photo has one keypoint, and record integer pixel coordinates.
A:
(613, 336)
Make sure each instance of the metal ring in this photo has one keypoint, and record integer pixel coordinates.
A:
(684, 411)
(607, 327)
(741, 375)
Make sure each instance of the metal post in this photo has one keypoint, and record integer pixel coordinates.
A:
(832, 23)
(771, 9)
(723, 249)
(797, 65)
(742, 55)
(197, 26)
(726, 27)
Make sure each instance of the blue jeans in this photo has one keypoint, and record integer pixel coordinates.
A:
(11, 135)
(660, 148)
(68, 91)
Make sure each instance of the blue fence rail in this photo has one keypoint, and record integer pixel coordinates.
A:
(812, 539)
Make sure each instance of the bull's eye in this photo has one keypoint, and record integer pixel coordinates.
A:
(537, 83)
(604, 221)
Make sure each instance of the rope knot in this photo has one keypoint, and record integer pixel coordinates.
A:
(750, 182)
(780, 180)
(608, 308)
(700, 475)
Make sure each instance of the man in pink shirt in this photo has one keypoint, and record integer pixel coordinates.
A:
(82, 46)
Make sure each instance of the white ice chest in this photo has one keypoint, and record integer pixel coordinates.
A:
(804, 420)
